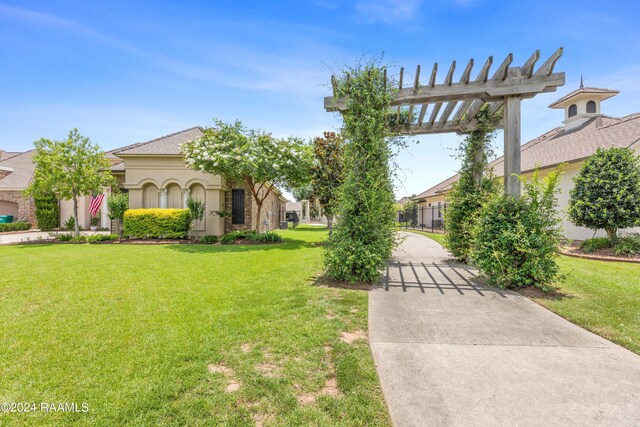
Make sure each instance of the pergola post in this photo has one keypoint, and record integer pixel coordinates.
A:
(512, 145)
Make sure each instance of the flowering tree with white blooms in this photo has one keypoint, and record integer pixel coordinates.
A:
(255, 157)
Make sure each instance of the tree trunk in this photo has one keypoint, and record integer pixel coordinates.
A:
(75, 216)
(612, 234)
(259, 211)
(329, 223)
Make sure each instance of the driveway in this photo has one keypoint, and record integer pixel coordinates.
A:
(450, 351)
(6, 238)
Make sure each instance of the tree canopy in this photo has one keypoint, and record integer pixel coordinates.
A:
(250, 156)
(327, 173)
(70, 168)
(606, 194)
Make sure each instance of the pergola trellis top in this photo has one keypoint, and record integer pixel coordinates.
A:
(504, 89)
(437, 102)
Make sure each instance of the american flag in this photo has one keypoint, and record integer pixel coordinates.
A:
(96, 202)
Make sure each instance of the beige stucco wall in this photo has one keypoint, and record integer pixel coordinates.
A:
(144, 174)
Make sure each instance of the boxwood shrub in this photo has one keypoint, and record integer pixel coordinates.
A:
(15, 226)
(157, 223)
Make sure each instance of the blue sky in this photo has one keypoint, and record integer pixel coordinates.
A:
(129, 71)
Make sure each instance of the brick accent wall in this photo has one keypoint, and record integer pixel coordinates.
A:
(26, 206)
(271, 203)
(248, 204)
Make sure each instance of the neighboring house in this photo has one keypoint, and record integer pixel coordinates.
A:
(294, 211)
(155, 176)
(16, 172)
(585, 130)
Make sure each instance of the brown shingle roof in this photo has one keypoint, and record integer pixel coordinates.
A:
(564, 146)
(168, 145)
(4, 155)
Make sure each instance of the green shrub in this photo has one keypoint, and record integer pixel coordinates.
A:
(64, 237)
(47, 211)
(79, 239)
(628, 245)
(207, 239)
(157, 223)
(516, 238)
(595, 244)
(237, 235)
(15, 226)
(268, 237)
(69, 224)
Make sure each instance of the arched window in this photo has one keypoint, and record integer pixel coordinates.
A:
(573, 110)
(591, 107)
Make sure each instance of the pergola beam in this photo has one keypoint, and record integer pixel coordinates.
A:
(490, 90)
(506, 88)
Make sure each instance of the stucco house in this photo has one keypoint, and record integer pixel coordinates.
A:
(585, 129)
(155, 176)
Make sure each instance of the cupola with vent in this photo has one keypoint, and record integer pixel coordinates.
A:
(582, 104)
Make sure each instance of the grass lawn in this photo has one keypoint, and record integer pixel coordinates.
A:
(601, 296)
(183, 335)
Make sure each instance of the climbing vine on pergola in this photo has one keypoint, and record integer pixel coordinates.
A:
(453, 106)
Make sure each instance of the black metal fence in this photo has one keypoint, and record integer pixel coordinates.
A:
(428, 218)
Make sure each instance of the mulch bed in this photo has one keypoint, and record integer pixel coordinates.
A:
(532, 292)
(242, 242)
(327, 282)
(599, 255)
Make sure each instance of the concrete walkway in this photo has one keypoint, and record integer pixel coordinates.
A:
(6, 238)
(450, 351)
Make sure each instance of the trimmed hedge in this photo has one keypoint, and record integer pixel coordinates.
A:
(157, 223)
(15, 226)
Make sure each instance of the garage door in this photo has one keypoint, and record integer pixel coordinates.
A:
(9, 208)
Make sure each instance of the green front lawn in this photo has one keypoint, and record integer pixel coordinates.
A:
(603, 297)
(183, 335)
(434, 236)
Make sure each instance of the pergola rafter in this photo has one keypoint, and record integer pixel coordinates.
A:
(453, 106)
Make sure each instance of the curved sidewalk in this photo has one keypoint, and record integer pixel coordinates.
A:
(450, 351)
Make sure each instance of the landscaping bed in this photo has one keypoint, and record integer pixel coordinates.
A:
(606, 254)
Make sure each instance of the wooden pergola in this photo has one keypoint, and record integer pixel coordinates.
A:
(503, 90)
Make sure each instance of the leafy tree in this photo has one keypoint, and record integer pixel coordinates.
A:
(118, 203)
(472, 190)
(258, 159)
(47, 211)
(70, 168)
(411, 213)
(302, 193)
(363, 238)
(606, 192)
(516, 238)
(327, 173)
